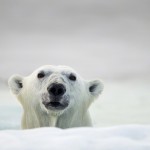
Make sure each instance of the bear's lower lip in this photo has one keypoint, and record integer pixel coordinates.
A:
(56, 105)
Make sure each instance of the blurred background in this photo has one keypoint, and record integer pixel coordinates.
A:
(107, 39)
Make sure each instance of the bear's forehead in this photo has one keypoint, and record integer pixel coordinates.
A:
(51, 68)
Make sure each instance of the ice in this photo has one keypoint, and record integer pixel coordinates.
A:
(129, 137)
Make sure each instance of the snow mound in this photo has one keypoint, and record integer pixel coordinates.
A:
(128, 137)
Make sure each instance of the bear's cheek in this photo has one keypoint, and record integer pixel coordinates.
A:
(31, 94)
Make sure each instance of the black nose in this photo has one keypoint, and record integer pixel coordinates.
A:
(56, 89)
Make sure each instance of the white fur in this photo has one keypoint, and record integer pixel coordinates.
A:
(37, 115)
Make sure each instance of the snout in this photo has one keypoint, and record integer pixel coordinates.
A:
(55, 97)
(56, 90)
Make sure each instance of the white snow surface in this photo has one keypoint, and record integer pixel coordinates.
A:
(128, 137)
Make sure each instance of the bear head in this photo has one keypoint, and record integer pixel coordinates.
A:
(54, 89)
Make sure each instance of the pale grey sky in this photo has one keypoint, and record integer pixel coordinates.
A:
(99, 38)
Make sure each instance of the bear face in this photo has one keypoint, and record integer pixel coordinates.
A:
(54, 90)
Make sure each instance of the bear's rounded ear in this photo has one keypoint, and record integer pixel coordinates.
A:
(96, 87)
(15, 84)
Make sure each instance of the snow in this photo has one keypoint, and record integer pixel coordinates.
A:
(129, 137)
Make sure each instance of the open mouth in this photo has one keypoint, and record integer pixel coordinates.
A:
(56, 105)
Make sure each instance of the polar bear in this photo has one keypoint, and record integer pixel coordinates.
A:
(55, 96)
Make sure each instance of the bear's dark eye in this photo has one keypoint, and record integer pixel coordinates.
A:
(41, 75)
(72, 77)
